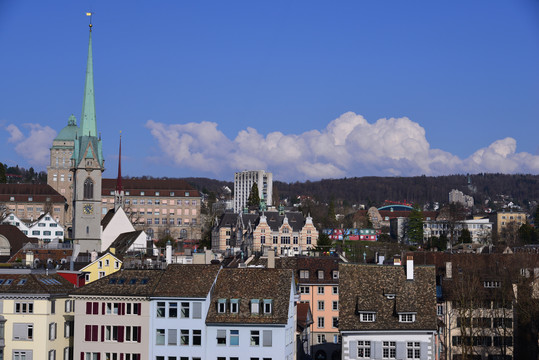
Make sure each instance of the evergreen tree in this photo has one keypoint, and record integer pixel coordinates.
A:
(254, 198)
(3, 178)
(465, 236)
(415, 226)
(324, 242)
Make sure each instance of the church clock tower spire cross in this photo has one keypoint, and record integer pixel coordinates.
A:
(87, 166)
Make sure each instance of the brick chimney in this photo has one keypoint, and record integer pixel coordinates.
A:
(409, 267)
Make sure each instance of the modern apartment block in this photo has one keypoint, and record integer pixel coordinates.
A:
(243, 182)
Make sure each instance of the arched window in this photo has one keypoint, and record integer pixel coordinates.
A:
(88, 189)
(87, 229)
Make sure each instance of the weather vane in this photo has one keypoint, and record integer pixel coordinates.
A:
(90, 15)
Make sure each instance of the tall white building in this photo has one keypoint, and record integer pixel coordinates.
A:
(243, 182)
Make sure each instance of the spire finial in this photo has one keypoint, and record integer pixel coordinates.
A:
(90, 15)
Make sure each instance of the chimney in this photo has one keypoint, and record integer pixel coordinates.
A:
(409, 267)
(169, 252)
(271, 259)
(448, 270)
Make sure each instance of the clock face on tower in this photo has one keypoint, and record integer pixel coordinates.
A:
(88, 209)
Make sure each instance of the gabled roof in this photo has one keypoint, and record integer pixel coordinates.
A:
(124, 283)
(107, 218)
(124, 241)
(34, 284)
(187, 280)
(16, 238)
(273, 218)
(246, 285)
(364, 288)
(40, 193)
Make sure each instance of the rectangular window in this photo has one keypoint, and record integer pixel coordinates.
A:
(52, 331)
(304, 289)
(161, 306)
(335, 322)
(413, 350)
(24, 307)
(173, 309)
(255, 338)
(320, 289)
(172, 336)
(185, 310)
(184, 337)
(160, 337)
(335, 305)
(234, 306)
(267, 338)
(321, 338)
(221, 337)
(363, 349)
(234, 337)
(267, 306)
(320, 322)
(367, 317)
(197, 337)
(23, 332)
(406, 318)
(389, 349)
(304, 274)
(320, 305)
(335, 290)
(255, 306)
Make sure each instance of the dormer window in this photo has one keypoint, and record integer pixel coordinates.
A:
(255, 306)
(407, 318)
(304, 274)
(234, 306)
(221, 306)
(321, 274)
(335, 274)
(367, 316)
(267, 306)
(491, 284)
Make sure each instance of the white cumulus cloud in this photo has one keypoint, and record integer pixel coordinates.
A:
(348, 146)
(34, 146)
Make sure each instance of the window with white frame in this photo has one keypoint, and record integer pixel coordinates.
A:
(255, 306)
(320, 322)
(172, 309)
(320, 274)
(161, 306)
(389, 349)
(234, 337)
(407, 318)
(184, 337)
(52, 331)
(304, 274)
(335, 290)
(367, 317)
(221, 337)
(321, 338)
(221, 306)
(234, 306)
(255, 338)
(185, 313)
(304, 289)
(320, 305)
(197, 337)
(268, 306)
(363, 349)
(413, 350)
(320, 289)
(335, 305)
(160, 337)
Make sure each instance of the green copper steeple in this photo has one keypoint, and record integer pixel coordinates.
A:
(88, 126)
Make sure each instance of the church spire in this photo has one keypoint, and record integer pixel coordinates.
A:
(88, 126)
(119, 193)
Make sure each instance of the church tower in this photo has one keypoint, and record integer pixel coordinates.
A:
(119, 192)
(87, 165)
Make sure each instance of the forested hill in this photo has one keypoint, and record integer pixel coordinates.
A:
(520, 189)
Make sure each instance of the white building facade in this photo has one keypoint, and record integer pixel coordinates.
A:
(243, 182)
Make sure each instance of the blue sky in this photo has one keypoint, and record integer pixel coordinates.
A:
(305, 89)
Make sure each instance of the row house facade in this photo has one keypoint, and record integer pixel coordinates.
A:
(157, 206)
(45, 228)
(288, 233)
(37, 319)
(480, 229)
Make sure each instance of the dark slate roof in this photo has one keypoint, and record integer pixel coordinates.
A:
(122, 243)
(16, 238)
(313, 264)
(164, 187)
(119, 284)
(107, 218)
(187, 280)
(44, 254)
(34, 284)
(275, 221)
(20, 192)
(364, 288)
(247, 284)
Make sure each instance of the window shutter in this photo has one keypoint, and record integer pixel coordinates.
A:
(197, 310)
(123, 308)
(376, 349)
(88, 308)
(121, 334)
(88, 333)
(98, 356)
(94, 333)
(121, 356)
(102, 308)
(139, 308)
(352, 350)
(424, 350)
(401, 350)
(266, 338)
(96, 308)
(81, 356)
(172, 336)
(221, 333)
(102, 333)
(20, 332)
(139, 333)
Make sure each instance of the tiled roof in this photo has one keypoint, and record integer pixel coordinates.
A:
(21, 192)
(164, 187)
(122, 243)
(16, 238)
(304, 317)
(124, 283)
(43, 254)
(107, 218)
(248, 284)
(34, 284)
(187, 280)
(364, 288)
(274, 220)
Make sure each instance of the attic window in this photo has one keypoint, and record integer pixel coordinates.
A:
(367, 316)
(221, 306)
(121, 281)
(172, 193)
(491, 284)
(127, 193)
(143, 281)
(187, 193)
(321, 274)
(132, 281)
(407, 318)
(234, 306)
(22, 282)
(142, 193)
(12, 198)
(255, 306)
(157, 193)
(335, 274)
(112, 281)
(267, 306)
(30, 198)
(1, 281)
(304, 274)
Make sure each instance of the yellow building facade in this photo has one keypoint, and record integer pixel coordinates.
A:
(103, 266)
